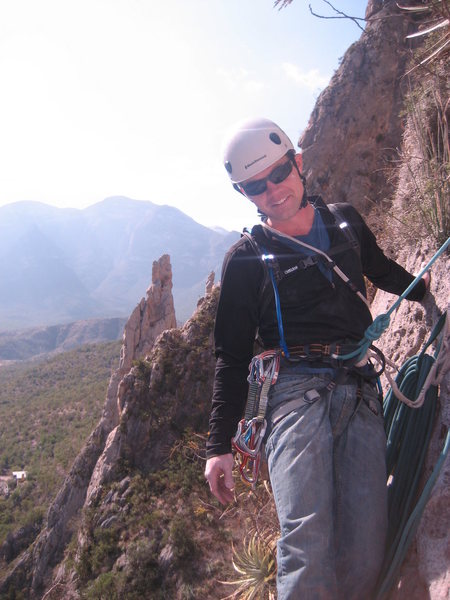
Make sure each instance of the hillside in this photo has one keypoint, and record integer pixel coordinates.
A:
(61, 265)
(28, 343)
(47, 410)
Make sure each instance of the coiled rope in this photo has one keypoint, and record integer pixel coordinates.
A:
(408, 431)
(408, 435)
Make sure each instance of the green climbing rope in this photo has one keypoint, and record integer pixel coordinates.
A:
(408, 433)
(381, 322)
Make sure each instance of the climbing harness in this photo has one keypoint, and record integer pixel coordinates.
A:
(272, 267)
(264, 369)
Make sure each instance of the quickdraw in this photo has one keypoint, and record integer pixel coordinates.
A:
(263, 373)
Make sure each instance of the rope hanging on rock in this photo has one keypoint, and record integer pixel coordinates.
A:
(440, 366)
(381, 322)
(408, 434)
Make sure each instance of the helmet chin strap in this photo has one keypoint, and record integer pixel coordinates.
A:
(304, 201)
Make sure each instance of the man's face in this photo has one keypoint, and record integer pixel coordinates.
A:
(280, 201)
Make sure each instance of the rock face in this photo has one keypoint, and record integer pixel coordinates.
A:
(159, 399)
(152, 316)
(354, 132)
(425, 573)
(176, 369)
(355, 127)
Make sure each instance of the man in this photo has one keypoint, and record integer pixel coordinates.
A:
(325, 441)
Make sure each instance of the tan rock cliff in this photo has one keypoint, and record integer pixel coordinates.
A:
(355, 128)
(152, 316)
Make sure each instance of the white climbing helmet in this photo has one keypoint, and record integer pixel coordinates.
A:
(252, 146)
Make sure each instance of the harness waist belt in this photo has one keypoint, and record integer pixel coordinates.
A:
(328, 352)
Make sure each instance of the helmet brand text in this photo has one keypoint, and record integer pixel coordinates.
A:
(255, 161)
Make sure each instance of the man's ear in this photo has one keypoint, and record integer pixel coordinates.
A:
(299, 161)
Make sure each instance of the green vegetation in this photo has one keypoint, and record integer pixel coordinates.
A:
(145, 538)
(436, 30)
(47, 411)
(422, 169)
(257, 567)
(429, 161)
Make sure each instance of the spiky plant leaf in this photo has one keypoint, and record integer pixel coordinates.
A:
(429, 30)
(439, 19)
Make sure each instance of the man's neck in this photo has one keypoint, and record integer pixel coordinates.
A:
(300, 224)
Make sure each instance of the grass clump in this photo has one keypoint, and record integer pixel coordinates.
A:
(428, 162)
(256, 565)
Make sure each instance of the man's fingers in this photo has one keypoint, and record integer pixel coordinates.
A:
(223, 493)
(219, 475)
(228, 482)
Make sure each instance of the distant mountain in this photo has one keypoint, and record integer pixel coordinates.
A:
(61, 265)
(38, 341)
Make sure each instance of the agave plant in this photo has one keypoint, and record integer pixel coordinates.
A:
(256, 566)
(436, 19)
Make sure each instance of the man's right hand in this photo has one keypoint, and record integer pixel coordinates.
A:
(219, 474)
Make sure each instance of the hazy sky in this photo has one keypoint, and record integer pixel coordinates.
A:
(133, 97)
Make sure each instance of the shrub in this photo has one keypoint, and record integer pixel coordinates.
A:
(103, 588)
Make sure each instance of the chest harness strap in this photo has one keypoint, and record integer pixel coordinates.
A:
(327, 261)
(271, 264)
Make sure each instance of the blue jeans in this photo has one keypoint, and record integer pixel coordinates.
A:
(327, 469)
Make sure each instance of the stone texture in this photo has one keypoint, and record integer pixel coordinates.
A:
(209, 283)
(152, 316)
(425, 573)
(355, 126)
(426, 570)
(158, 400)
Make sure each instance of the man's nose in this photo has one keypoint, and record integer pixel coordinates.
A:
(271, 186)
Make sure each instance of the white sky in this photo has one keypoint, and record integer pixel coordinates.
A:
(133, 97)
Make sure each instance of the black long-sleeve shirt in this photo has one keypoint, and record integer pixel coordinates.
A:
(315, 308)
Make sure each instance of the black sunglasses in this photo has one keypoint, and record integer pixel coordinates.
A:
(277, 175)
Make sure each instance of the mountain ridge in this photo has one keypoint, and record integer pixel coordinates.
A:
(61, 265)
(42, 341)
